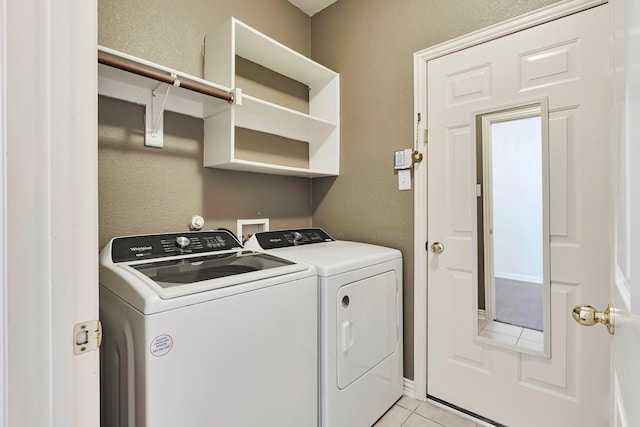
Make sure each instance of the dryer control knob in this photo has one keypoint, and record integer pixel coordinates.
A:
(182, 242)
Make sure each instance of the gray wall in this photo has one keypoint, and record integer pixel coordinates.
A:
(369, 42)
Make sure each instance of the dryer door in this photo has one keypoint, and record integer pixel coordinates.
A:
(367, 322)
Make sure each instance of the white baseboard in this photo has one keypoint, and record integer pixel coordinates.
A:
(409, 390)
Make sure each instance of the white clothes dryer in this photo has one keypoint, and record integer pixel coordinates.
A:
(360, 289)
(198, 331)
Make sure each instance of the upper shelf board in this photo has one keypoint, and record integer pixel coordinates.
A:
(263, 50)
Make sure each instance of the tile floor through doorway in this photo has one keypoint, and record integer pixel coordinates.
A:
(408, 412)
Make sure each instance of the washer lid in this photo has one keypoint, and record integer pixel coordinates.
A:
(166, 266)
(171, 278)
(180, 271)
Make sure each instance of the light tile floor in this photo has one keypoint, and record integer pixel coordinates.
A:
(408, 412)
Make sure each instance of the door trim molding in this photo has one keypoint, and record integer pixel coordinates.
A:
(51, 192)
(4, 382)
(420, 62)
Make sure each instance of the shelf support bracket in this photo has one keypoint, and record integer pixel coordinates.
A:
(154, 115)
(237, 96)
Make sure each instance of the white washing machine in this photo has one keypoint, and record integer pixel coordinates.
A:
(198, 331)
(360, 321)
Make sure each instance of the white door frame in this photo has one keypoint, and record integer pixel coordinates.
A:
(49, 277)
(4, 420)
(420, 60)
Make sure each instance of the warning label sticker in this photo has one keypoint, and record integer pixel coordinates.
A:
(161, 345)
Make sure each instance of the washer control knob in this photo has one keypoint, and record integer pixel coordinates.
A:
(182, 242)
(297, 237)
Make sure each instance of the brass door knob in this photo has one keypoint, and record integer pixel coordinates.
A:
(586, 315)
(437, 248)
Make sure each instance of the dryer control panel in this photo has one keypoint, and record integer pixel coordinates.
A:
(284, 238)
(164, 245)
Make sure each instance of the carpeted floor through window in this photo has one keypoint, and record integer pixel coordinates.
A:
(519, 303)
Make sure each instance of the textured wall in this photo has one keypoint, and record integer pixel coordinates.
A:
(172, 33)
(371, 43)
(150, 190)
(146, 190)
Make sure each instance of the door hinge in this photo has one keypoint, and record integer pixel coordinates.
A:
(87, 336)
(426, 136)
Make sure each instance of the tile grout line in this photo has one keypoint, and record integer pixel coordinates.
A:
(404, 423)
(413, 411)
(407, 403)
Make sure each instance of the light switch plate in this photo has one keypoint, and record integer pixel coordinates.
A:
(404, 179)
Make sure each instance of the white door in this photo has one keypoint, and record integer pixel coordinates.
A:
(625, 289)
(567, 62)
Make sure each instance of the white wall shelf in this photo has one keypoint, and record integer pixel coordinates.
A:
(320, 128)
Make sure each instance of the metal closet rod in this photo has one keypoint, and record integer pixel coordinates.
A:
(123, 64)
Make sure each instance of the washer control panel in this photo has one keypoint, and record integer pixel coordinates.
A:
(284, 238)
(163, 245)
